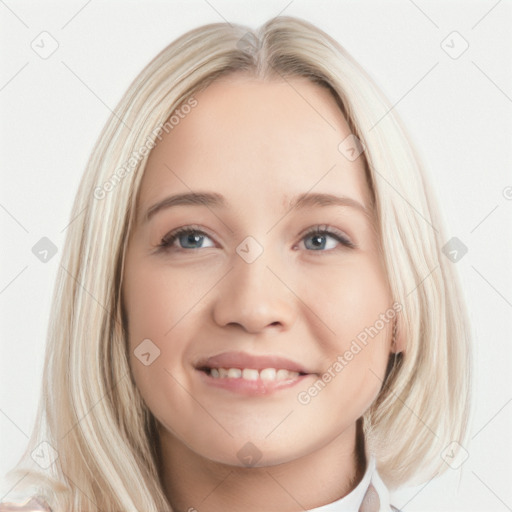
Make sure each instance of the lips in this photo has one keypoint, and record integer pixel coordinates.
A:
(243, 360)
(250, 374)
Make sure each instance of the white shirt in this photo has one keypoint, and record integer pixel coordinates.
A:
(370, 495)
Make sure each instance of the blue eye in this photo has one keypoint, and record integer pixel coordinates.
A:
(189, 238)
(319, 234)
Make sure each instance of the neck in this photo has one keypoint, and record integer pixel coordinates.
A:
(194, 483)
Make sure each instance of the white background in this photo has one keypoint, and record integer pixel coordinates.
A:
(459, 115)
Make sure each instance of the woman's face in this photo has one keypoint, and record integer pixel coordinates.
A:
(254, 341)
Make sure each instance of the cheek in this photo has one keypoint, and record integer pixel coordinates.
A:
(158, 300)
(349, 298)
(164, 308)
(353, 303)
(153, 307)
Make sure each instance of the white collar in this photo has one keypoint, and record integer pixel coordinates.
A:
(363, 497)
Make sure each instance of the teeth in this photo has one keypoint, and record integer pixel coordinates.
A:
(234, 373)
(268, 374)
(250, 374)
(281, 374)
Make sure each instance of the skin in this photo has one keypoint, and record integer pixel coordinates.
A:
(259, 144)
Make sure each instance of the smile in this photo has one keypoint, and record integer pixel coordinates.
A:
(250, 374)
(267, 374)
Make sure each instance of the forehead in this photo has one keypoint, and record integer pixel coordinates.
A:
(258, 142)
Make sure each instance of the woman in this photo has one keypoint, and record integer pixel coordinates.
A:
(252, 310)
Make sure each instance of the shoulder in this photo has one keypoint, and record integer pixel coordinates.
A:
(32, 504)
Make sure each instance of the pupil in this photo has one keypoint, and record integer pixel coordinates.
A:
(192, 239)
(317, 240)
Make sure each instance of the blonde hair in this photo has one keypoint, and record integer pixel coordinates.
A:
(90, 410)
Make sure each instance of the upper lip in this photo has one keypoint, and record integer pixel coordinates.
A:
(245, 360)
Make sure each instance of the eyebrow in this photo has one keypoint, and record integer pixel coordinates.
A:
(214, 200)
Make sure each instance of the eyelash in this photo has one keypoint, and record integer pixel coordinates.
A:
(321, 230)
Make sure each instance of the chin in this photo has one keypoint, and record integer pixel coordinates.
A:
(255, 453)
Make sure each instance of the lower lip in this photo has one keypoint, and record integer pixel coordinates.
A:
(251, 387)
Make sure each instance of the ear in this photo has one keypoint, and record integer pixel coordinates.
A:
(398, 343)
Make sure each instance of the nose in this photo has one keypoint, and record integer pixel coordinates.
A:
(255, 297)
